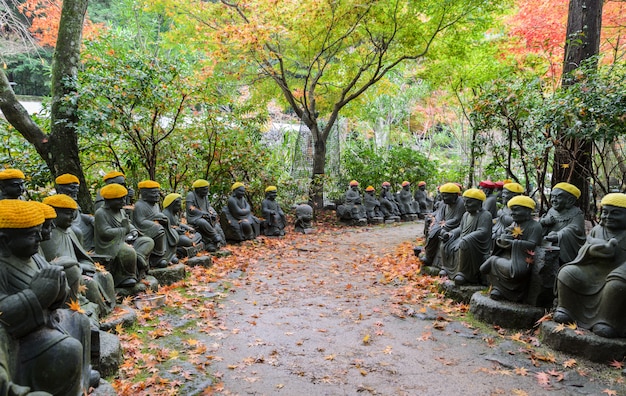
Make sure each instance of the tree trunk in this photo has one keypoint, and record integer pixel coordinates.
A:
(316, 189)
(572, 158)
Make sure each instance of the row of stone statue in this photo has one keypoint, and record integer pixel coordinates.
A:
(362, 209)
(466, 243)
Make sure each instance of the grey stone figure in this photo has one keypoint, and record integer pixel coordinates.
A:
(11, 184)
(275, 221)
(82, 224)
(202, 216)
(236, 219)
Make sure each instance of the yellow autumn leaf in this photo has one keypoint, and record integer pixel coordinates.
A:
(569, 363)
(572, 326)
(119, 329)
(75, 306)
(517, 232)
(82, 289)
(366, 339)
(329, 357)
(559, 328)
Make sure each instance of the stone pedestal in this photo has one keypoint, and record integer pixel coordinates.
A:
(104, 389)
(200, 261)
(504, 313)
(543, 277)
(409, 217)
(461, 294)
(586, 344)
(149, 282)
(170, 274)
(110, 355)
(121, 315)
(375, 220)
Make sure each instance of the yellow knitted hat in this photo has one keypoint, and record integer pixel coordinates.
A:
(369, 188)
(236, 185)
(475, 193)
(148, 184)
(113, 190)
(60, 201)
(112, 174)
(15, 213)
(612, 199)
(422, 183)
(48, 211)
(570, 188)
(405, 183)
(271, 188)
(8, 174)
(200, 183)
(354, 183)
(169, 198)
(514, 187)
(450, 188)
(521, 200)
(67, 178)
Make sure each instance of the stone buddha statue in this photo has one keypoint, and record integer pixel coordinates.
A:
(409, 208)
(304, 217)
(509, 267)
(504, 219)
(11, 184)
(82, 225)
(423, 200)
(498, 191)
(118, 239)
(372, 206)
(237, 220)
(490, 203)
(275, 221)
(202, 216)
(63, 246)
(114, 177)
(352, 211)
(388, 203)
(564, 224)
(590, 289)
(151, 222)
(467, 246)
(49, 347)
(187, 235)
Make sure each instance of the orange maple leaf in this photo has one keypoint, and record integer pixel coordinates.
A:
(82, 288)
(517, 232)
(75, 306)
(617, 364)
(543, 378)
(610, 392)
(569, 363)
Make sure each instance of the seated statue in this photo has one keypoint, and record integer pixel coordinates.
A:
(509, 267)
(83, 223)
(423, 200)
(202, 216)
(504, 219)
(275, 221)
(304, 216)
(63, 243)
(11, 184)
(118, 239)
(149, 220)
(590, 289)
(114, 177)
(50, 346)
(498, 192)
(187, 237)
(564, 224)
(445, 219)
(372, 206)
(352, 211)
(409, 208)
(388, 203)
(491, 203)
(237, 220)
(467, 246)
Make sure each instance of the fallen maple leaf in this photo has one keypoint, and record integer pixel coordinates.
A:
(569, 363)
(74, 305)
(516, 232)
(521, 371)
(543, 379)
(617, 364)
(559, 328)
(366, 339)
(610, 392)
(329, 357)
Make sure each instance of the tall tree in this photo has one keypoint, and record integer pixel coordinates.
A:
(59, 148)
(322, 55)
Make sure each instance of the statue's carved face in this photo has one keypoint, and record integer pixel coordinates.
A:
(271, 195)
(613, 217)
(150, 195)
(507, 195)
(24, 242)
(69, 189)
(115, 203)
(449, 198)
(240, 192)
(472, 205)
(202, 191)
(46, 229)
(12, 188)
(520, 214)
(176, 206)
(561, 200)
(65, 216)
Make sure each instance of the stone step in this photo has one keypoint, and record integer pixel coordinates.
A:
(110, 355)
(122, 315)
(168, 275)
(505, 314)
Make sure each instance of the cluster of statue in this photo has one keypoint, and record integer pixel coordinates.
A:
(466, 243)
(366, 208)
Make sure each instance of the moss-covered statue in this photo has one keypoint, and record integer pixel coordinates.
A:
(591, 289)
(304, 218)
(504, 219)
(237, 220)
(274, 218)
(202, 216)
(388, 203)
(409, 208)
(352, 211)
(189, 241)
(490, 203)
(372, 206)
(82, 224)
(151, 222)
(114, 177)
(423, 200)
(509, 268)
(11, 184)
(468, 246)
(118, 239)
(43, 347)
(564, 224)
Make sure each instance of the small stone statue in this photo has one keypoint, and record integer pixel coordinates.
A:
(490, 203)
(54, 344)
(372, 206)
(409, 208)
(352, 211)
(188, 238)
(445, 219)
(117, 238)
(115, 177)
(82, 225)
(275, 221)
(388, 203)
(63, 243)
(237, 220)
(202, 216)
(564, 224)
(509, 267)
(590, 289)
(149, 220)
(504, 219)
(424, 201)
(468, 246)
(11, 184)
(498, 191)
(304, 216)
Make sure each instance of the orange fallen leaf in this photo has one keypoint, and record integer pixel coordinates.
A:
(74, 305)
